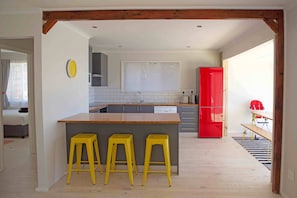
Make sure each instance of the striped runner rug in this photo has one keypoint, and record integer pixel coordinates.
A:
(260, 148)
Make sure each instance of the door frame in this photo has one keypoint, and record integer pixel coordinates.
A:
(273, 18)
(31, 109)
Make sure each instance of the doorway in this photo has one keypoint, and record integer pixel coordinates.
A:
(23, 47)
(251, 77)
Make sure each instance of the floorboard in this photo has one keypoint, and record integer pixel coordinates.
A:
(209, 168)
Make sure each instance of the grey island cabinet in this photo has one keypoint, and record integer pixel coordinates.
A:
(138, 124)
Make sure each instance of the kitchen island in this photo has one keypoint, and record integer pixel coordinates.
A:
(138, 124)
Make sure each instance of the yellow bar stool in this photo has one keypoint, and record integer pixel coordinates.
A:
(113, 142)
(91, 143)
(155, 139)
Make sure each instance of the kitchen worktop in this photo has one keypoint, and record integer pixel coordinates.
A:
(123, 118)
(98, 106)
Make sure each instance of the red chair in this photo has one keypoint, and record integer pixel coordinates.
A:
(258, 105)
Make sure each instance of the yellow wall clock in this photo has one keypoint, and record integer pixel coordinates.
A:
(71, 68)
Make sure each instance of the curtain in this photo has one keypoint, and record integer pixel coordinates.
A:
(17, 88)
(5, 76)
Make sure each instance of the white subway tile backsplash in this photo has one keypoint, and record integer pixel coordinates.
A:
(115, 95)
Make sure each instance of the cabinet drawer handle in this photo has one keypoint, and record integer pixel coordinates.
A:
(190, 129)
(188, 113)
(189, 124)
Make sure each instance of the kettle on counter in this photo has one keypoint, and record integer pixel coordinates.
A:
(184, 99)
(192, 98)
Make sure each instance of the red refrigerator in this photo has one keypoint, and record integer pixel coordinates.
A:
(210, 102)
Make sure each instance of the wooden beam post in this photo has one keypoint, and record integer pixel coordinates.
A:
(278, 106)
(48, 25)
(272, 23)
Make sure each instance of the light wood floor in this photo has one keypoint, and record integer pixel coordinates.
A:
(209, 168)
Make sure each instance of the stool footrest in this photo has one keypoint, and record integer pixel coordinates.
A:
(156, 171)
(81, 170)
(118, 171)
(121, 162)
(87, 162)
(157, 162)
(85, 170)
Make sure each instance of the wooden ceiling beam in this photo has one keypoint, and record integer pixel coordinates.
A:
(160, 14)
(51, 17)
(273, 24)
(48, 25)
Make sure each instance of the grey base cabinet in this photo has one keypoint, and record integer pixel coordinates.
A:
(188, 114)
(130, 109)
(115, 108)
(189, 118)
(138, 109)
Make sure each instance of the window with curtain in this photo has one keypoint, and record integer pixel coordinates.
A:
(17, 88)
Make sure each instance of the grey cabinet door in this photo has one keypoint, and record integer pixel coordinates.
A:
(189, 118)
(138, 109)
(131, 109)
(146, 109)
(115, 109)
(99, 69)
(90, 59)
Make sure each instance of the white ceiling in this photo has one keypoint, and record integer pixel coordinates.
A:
(154, 34)
(163, 34)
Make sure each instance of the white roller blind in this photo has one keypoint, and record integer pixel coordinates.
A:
(150, 76)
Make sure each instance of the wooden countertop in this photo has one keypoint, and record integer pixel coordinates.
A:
(264, 114)
(123, 118)
(97, 107)
(153, 104)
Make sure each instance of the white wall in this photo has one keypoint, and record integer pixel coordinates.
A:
(289, 161)
(249, 39)
(55, 95)
(62, 96)
(250, 76)
(16, 56)
(25, 45)
(189, 61)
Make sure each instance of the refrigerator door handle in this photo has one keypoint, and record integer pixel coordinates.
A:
(210, 107)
